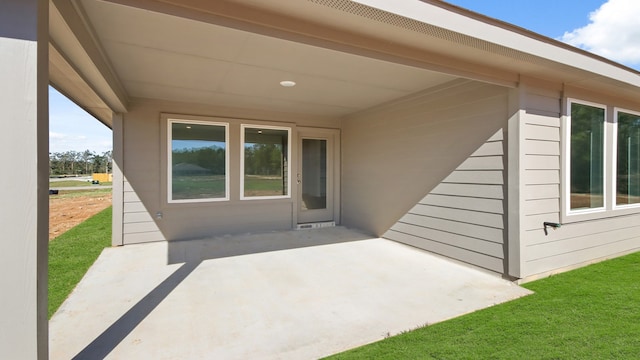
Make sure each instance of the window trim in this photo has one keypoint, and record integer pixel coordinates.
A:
(568, 213)
(172, 120)
(614, 165)
(242, 140)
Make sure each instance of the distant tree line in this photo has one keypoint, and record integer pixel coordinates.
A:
(259, 159)
(264, 159)
(79, 162)
(210, 158)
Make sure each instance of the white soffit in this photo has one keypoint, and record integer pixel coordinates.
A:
(166, 57)
(438, 16)
(69, 82)
(70, 37)
(432, 35)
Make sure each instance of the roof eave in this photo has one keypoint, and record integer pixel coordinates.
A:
(469, 23)
(78, 66)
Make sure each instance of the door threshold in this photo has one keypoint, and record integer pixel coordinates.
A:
(316, 225)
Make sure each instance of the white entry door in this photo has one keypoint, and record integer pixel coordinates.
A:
(316, 176)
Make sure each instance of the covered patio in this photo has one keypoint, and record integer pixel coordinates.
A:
(422, 114)
(305, 294)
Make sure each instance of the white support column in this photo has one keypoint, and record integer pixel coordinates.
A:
(515, 183)
(24, 180)
(118, 180)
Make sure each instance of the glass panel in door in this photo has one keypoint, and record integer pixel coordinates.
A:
(314, 174)
(315, 178)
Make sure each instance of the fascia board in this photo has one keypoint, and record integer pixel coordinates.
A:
(69, 33)
(452, 21)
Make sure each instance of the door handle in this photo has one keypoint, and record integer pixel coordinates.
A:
(299, 179)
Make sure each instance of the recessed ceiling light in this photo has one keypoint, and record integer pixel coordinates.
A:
(288, 83)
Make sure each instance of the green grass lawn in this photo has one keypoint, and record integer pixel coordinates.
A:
(259, 186)
(213, 186)
(588, 313)
(75, 183)
(72, 253)
(198, 186)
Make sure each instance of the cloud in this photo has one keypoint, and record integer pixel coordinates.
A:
(613, 32)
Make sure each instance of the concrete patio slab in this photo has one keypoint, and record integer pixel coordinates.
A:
(285, 295)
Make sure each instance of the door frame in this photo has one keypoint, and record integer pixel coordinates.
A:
(334, 162)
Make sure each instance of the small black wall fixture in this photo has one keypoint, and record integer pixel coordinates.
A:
(553, 225)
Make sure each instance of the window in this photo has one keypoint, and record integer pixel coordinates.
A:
(198, 161)
(627, 158)
(586, 159)
(265, 162)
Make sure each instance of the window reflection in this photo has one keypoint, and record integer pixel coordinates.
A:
(587, 156)
(266, 162)
(198, 161)
(628, 159)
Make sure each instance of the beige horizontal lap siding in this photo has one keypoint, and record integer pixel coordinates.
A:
(573, 244)
(428, 170)
(138, 223)
(540, 169)
(463, 217)
(147, 215)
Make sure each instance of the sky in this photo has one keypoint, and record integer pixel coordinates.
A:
(606, 27)
(73, 129)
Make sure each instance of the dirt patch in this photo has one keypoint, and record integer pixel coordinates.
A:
(69, 209)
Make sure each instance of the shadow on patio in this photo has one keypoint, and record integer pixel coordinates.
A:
(296, 295)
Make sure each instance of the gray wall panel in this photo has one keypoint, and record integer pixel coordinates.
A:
(536, 132)
(465, 203)
(482, 163)
(470, 190)
(629, 224)
(442, 150)
(478, 259)
(542, 177)
(583, 255)
(488, 177)
(574, 243)
(539, 147)
(134, 217)
(144, 185)
(460, 241)
(542, 206)
(455, 227)
(538, 192)
(463, 216)
(542, 162)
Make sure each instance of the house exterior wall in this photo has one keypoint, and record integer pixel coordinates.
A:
(578, 241)
(429, 171)
(147, 215)
(467, 170)
(463, 217)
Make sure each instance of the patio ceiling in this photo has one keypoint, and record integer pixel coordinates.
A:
(345, 56)
(159, 56)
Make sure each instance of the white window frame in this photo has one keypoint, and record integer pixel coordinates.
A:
(242, 139)
(170, 122)
(614, 175)
(568, 213)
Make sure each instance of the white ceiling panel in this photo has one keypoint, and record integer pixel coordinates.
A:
(138, 63)
(167, 57)
(114, 22)
(158, 91)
